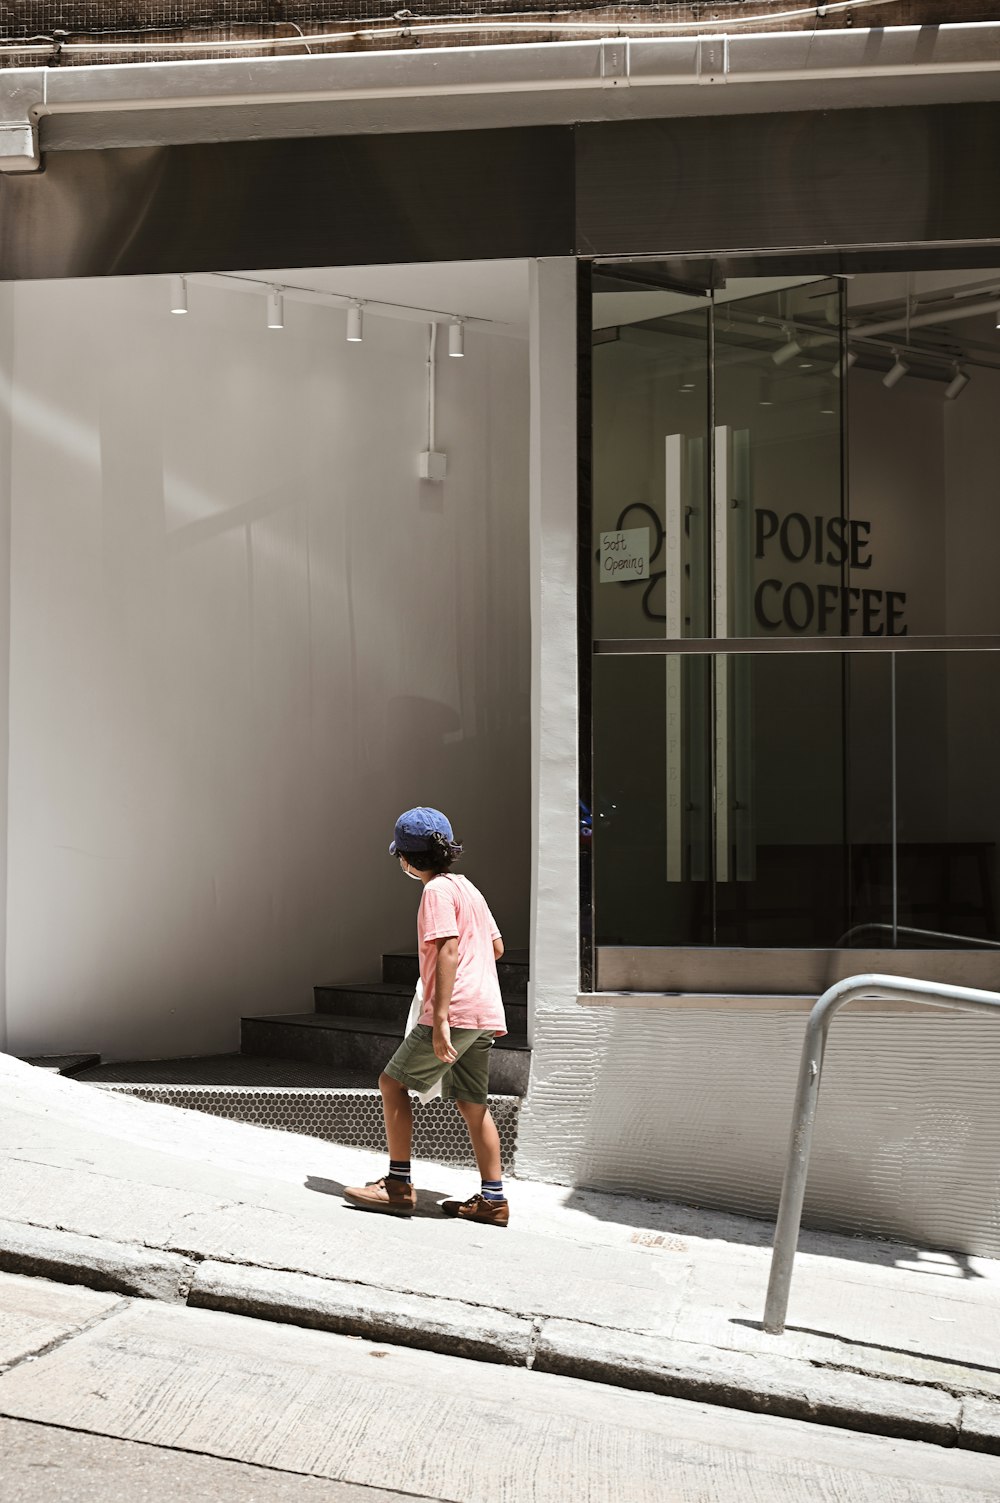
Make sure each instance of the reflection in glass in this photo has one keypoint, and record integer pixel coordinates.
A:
(650, 463)
(947, 708)
(785, 552)
(784, 459)
(797, 800)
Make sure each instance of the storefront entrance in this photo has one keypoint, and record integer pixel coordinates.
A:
(794, 621)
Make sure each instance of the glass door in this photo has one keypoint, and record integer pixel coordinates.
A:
(719, 514)
(781, 514)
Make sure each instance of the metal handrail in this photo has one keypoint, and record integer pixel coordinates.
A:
(954, 941)
(793, 1189)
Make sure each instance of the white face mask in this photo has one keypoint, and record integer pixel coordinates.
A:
(414, 876)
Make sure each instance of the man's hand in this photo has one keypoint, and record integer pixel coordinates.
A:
(442, 1044)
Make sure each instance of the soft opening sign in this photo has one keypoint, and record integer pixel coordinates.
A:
(624, 555)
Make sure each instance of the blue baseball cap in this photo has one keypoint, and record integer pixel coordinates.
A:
(415, 828)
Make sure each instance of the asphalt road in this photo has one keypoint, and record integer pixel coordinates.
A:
(105, 1397)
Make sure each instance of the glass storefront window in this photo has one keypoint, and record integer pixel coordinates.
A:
(801, 467)
(651, 469)
(820, 800)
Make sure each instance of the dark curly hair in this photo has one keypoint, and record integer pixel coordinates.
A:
(439, 858)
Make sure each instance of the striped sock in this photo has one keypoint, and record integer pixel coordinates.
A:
(493, 1189)
(399, 1169)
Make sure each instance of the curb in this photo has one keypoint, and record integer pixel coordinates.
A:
(761, 1384)
(112, 1267)
(784, 1387)
(424, 1321)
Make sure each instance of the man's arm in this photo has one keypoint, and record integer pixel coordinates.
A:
(498, 949)
(444, 984)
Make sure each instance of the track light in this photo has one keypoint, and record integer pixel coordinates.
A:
(456, 338)
(275, 309)
(178, 295)
(787, 352)
(956, 385)
(355, 332)
(843, 365)
(896, 373)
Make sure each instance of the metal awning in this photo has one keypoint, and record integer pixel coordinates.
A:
(469, 88)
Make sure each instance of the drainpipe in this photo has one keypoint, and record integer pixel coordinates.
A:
(674, 69)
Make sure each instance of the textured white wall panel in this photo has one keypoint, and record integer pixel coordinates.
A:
(695, 1106)
(246, 635)
(553, 1120)
(555, 821)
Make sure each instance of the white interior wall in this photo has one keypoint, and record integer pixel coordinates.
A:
(245, 635)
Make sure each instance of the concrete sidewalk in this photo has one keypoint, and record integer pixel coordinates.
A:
(147, 1200)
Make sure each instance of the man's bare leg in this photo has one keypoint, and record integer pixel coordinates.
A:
(484, 1137)
(392, 1194)
(397, 1113)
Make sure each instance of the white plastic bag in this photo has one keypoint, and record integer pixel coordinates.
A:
(416, 1007)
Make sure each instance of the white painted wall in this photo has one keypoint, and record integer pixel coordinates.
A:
(555, 1115)
(244, 636)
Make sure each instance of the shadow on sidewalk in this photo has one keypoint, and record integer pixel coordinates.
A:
(871, 1346)
(428, 1201)
(653, 1218)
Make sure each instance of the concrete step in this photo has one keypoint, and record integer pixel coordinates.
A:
(391, 1000)
(401, 968)
(63, 1064)
(366, 1044)
(338, 1105)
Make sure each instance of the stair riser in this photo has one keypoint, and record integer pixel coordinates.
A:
(351, 1118)
(403, 969)
(341, 1002)
(509, 1068)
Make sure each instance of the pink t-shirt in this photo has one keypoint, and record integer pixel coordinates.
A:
(452, 908)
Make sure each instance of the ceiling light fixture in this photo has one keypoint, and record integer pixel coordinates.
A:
(456, 338)
(329, 296)
(787, 351)
(896, 372)
(178, 294)
(355, 331)
(956, 385)
(843, 365)
(275, 309)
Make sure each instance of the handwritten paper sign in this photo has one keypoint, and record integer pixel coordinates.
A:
(624, 555)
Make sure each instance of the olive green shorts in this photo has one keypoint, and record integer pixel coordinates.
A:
(416, 1066)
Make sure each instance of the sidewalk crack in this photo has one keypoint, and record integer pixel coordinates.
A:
(60, 1341)
(537, 1326)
